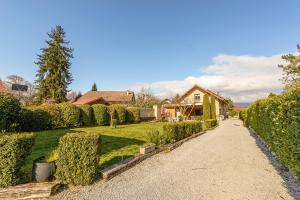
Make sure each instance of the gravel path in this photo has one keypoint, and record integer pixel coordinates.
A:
(225, 163)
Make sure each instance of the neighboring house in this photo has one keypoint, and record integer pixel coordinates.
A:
(106, 97)
(191, 103)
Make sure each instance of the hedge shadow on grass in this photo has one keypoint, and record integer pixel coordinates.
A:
(111, 149)
(292, 185)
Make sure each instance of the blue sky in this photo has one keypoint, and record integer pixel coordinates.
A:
(132, 43)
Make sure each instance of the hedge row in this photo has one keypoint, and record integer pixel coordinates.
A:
(52, 116)
(13, 151)
(173, 132)
(209, 123)
(78, 158)
(277, 120)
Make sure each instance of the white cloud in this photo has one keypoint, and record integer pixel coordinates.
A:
(243, 78)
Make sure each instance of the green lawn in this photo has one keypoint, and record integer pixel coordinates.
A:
(118, 143)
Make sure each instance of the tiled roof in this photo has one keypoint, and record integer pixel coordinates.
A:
(107, 97)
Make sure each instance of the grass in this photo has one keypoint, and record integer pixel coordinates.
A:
(117, 143)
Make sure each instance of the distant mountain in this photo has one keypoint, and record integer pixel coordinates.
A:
(243, 104)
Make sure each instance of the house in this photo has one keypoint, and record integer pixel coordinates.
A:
(106, 97)
(191, 103)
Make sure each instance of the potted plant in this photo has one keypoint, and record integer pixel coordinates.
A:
(147, 148)
(44, 167)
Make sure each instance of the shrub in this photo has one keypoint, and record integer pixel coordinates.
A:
(13, 151)
(86, 115)
(70, 115)
(232, 113)
(153, 136)
(173, 132)
(133, 114)
(243, 115)
(210, 123)
(101, 115)
(78, 158)
(213, 107)
(55, 115)
(34, 119)
(9, 112)
(276, 120)
(120, 113)
(206, 108)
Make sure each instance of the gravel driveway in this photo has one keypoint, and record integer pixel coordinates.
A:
(225, 163)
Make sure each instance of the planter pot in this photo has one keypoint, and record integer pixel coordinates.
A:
(147, 149)
(43, 171)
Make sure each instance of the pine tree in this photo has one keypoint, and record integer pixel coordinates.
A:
(213, 107)
(53, 75)
(94, 87)
(206, 108)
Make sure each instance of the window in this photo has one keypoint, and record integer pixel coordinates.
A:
(197, 97)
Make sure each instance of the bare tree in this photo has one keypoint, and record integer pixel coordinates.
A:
(145, 98)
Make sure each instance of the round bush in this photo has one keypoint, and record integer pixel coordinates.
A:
(34, 119)
(101, 114)
(9, 112)
(86, 115)
(70, 114)
(120, 113)
(55, 116)
(133, 115)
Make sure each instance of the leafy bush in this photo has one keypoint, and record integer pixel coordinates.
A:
(243, 115)
(120, 113)
(13, 151)
(276, 120)
(206, 107)
(70, 115)
(101, 115)
(213, 107)
(232, 113)
(86, 115)
(55, 115)
(133, 114)
(9, 112)
(173, 132)
(153, 136)
(210, 123)
(34, 119)
(78, 158)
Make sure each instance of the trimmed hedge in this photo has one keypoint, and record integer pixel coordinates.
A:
(70, 115)
(209, 123)
(173, 132)
(276, 120)
(86, 115)
(134, 115)
(243, 115)
(101, 114)
(9, 112)
(34, 119)
(55, 115)
(78, 158)
(120, 113)
(13, 151)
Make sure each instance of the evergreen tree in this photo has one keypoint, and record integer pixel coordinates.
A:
(213, 107)
(291, 71)
(206, 108)
(53, 75)
(94, 87)
(78, 95)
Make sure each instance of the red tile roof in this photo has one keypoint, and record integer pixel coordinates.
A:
(108, 97)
